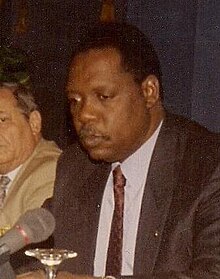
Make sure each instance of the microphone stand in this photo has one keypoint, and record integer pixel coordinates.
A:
(6, 270)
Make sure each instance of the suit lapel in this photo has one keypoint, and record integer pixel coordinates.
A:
(95, 184)
(161, 180)
(81, 231)
(23, 173)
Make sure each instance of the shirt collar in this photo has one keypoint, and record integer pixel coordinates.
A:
(13, 173)
(135, 166)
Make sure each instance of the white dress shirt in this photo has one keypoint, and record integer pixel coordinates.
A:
(12, 175)
(135, 169)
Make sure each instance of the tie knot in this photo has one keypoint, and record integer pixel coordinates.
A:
(118, 177)
(4, 181)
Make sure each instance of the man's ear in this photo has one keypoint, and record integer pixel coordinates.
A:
(151, 90)
(35, 122)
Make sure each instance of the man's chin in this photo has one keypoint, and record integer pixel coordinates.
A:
(4, 159)
(97, 154)
(103, 155)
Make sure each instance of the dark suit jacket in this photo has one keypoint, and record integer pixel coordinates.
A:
(179, 226)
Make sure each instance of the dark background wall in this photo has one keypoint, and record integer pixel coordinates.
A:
(185, 33)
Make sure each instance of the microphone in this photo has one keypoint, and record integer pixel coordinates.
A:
(32, 227)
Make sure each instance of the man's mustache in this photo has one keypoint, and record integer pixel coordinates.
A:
(89, 132)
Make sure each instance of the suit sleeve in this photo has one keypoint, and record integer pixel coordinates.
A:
(206, 239)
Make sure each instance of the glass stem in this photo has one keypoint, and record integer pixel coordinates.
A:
(51, 272)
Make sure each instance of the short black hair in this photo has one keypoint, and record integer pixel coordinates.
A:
(138, 55)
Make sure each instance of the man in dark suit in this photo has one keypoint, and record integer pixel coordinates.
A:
(171, 226)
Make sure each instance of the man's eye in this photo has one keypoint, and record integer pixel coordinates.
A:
(104, 97)
(75, 99)
(3, 119)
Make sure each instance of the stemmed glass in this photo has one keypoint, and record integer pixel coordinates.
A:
(51, 258)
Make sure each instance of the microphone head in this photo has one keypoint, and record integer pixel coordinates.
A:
(32, 227)
(38, 224)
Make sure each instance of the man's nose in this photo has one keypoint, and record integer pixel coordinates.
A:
(87, 112)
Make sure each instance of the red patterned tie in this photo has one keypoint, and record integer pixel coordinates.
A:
(114, 256)
(4, 180)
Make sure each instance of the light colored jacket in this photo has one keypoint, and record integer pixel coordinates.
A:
(33, 183)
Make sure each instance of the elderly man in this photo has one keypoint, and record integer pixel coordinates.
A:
(27, 161)
(139, 197)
